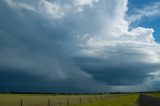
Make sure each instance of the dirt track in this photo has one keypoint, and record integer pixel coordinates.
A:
(145, 100)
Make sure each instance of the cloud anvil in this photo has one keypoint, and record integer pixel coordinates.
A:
(78, 46)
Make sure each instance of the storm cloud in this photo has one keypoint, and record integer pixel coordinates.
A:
(75, 46)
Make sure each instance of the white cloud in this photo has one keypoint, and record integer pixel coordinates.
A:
(20, 5)
(143, 34)
(46, 9)
(85, 2)
(115, 44)
(146, 11)
(81, 4)
(50, 9)
(113, 21)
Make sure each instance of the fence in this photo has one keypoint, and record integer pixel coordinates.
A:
(68, 101)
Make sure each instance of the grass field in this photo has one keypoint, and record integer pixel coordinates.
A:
(125, 100)
(155, 95)
(68, 100)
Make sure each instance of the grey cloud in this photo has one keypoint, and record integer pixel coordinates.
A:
(50, 49)
(119, 68)
(29, 46)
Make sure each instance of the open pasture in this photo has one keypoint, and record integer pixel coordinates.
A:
(68, 100)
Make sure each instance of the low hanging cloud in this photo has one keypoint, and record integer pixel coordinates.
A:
(86, 42)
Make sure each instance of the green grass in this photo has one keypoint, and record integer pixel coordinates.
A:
(125, 100)
(61, 100)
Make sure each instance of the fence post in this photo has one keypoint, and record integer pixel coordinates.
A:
(68, 102)
(80, 100)
(96, 98)
(21, 102)
(49, 102)
(101, 97)
(60, 104)
(89, 99)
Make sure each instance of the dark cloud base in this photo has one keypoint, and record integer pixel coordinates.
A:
(19, 81)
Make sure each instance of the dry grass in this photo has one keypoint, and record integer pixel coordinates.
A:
(42, 100)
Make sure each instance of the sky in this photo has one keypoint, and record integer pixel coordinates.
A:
(79, 46)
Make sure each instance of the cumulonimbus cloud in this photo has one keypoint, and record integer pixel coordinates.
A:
(63, 43)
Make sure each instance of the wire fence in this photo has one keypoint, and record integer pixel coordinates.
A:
(64, 101)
